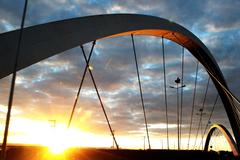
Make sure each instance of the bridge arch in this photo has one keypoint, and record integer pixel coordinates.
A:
(226, 134)
(45, 40)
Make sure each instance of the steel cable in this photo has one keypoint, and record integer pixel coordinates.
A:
(140, 90)
(81, 83)
(193, 104)
(100, 100)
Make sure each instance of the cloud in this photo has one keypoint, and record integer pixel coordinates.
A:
(222, 15)
(11, 15)
(47, 90)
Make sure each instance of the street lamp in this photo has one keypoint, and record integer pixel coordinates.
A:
(143, 142)
(53, 123)
(201, 113)
(113, 131)
(177, 81)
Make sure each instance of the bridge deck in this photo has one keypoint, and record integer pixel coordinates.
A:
(41, 153)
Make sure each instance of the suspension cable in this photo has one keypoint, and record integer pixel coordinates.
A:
(226, 90)
(81, 83)
(100, 100)
(165, 90)
(11, 94)
(193, 104)
(210, 116)
(201, 111)
(140, 90)
(181, 94)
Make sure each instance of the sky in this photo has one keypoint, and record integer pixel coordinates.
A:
(45, 92)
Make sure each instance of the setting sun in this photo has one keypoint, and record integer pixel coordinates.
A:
(61, 138)
(57, 144)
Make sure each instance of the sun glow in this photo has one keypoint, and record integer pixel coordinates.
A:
(58, 143)
(56, 137)
(62, 138)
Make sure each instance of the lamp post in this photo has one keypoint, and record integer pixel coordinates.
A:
(143, 142)
(53, 123)
(177, 81)
(201, 113)
(113, 139)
